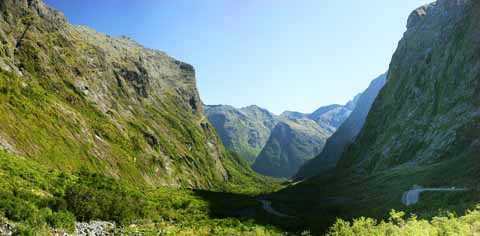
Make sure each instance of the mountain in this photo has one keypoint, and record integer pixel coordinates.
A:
(245, 130)
(328, 117)
(291, 143)
(249, 132)
(72, 98)
(345, 135)
(423, 128)
(428, 111)
(297, 138)
(332, 116)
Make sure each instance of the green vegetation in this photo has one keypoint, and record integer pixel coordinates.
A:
(72, 98)
(100, 123)
(40, 200)
(344, 194)
(398, 225)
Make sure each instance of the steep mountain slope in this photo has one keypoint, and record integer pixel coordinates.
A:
(245, 130)
(72, 98)
(299, 138)
(345, 135)
(423, 128)
(289, 146)
(429, 111)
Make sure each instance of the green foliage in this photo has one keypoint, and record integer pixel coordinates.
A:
(96, 197)
(398, 225)
(39, 200)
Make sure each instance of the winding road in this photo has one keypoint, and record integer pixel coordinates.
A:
(411, 197)
(267, 206)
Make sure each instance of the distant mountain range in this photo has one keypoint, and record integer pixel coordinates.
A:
(276, 145)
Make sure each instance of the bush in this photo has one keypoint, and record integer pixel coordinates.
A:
(61, 220)
(93, 199)
(397, 225)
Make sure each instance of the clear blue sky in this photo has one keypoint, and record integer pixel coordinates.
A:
(278, 54)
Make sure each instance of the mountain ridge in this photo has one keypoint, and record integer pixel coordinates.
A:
(247, 130)
(75, 98)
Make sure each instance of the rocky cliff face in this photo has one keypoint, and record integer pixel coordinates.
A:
(423, 128)
(429, 110)
(245, 130)
(344, 135)
(71, 97)
(289, 146)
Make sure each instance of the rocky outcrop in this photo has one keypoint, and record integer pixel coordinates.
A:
(95, 228)
(345, 135)
(7, 229)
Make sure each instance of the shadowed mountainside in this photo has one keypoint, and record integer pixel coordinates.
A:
(344, 135)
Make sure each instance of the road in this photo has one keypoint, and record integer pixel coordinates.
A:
(267, 206)
(411, 197)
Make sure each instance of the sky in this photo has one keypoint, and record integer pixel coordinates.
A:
(295, 55)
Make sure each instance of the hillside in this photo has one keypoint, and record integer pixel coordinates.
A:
(344, 135)
(243, 131)
(428, 111)
(73, 98)
(291, 143)
(422, 128)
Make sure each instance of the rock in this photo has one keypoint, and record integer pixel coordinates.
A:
(94, 228)
(6, 229)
